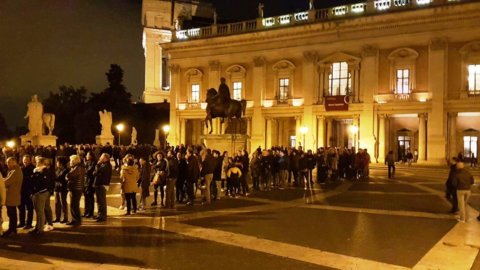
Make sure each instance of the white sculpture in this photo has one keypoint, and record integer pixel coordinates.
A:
(311, 6)
(134, 136)
(49, 121)
(260, 10)
(34, 115)
(106, 122)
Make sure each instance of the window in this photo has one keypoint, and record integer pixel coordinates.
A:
(402, 85)
(474, 79)
(165, 75)
(237, 90)
(403, 147)
(283, 89)
(195, 93)
(340, 79)
(470, 146)
(293, 141)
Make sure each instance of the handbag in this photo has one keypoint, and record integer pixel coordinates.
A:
(156, 178)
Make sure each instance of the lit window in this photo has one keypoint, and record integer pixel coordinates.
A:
(474, 79)
(340, 79)
(470, 146)
(402, 85)
(195, 93)
(283, 89)
(237, 90)
(293, 141)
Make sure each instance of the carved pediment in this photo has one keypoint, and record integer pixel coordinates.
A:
(193, 73)
(403, 54)
(471, 49)
(236, 69)
(340, 57)
(283, 65)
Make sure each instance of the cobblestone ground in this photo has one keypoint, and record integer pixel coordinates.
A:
(375, 224)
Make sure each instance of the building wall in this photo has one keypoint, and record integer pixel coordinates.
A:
(434, 35)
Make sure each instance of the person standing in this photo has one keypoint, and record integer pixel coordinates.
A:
(40, 193)
(89, 190)
(3, 197)
(208, 168)
(129, 176)
(61, 190)
(160, 172)
(462, 181)
(144, 182)
(450, 190)
(172, 174)
(182, 177)
(103, 176)
(13, 185)
(192, 176)
(390, 162)
(26, 204)
(75, 183)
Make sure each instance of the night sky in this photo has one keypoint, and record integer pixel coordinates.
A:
(48, 43)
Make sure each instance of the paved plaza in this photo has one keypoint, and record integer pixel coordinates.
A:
(375, 224)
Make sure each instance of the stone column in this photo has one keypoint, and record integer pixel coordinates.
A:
(329, 131)
(269, 131)
(183, 128)
(309, 79)
(298, 135)
(173, 137)
(258, 89)
(452, 119)
(249, 132)
(422, 128)
(381, 137)
(356, 137)
(321, 131)
(437, 85)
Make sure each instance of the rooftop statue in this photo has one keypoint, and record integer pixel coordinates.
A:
(220, 105)
(34, 115)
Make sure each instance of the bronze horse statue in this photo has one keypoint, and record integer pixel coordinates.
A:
(216, 108)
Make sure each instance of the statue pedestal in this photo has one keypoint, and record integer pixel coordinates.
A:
(226, 142)
(44, 140)
(156, 143)
(104, 139)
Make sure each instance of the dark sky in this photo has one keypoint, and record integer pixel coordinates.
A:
(48, 43)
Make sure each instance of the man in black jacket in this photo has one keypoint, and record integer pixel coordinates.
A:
(103, 175)
(192, 176)
(26, 204)
(208, 168)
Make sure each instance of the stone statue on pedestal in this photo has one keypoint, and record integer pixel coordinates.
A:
(260, 10)
(106, 122)
(156, 142)
(34, 115)
(49, 121)
(134, 136)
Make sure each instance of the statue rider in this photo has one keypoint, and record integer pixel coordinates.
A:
(223, 92)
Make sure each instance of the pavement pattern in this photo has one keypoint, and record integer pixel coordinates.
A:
(370, 224)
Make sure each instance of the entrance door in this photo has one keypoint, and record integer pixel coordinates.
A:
(403, 146)
(470, 146)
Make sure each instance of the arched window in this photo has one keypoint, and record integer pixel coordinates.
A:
(284, 73)
(194, 78)
(236, 78)
(339, 75)
(402, 70)
(471, 68)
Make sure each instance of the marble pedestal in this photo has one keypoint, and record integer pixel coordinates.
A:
(226, 142)
(104, 139)
(44, 140)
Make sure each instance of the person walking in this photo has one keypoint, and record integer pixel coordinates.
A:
(61, 190)
(129, 176)
(13, 185)
(462, 181)
(75, 183)
(390, 162)
(450, 190)
(103, 176)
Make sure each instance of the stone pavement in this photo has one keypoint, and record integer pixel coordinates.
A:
(375, 224)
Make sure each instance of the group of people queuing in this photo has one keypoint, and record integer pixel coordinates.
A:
(29, 179)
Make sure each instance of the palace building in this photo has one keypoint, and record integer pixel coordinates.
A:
(382, 75)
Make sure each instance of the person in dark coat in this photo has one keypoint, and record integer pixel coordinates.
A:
(13, 186)
(182, 177)
(75, 184)
(61, 190)
(144, 182)
(89, 190)
(26, 204)
(103, 176)
(451, 192)
(172, 175)
(193, 174)
(462, 181)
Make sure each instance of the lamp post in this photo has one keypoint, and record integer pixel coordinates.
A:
(354, 131)
(304, 131)
(11, 144)
(166, 130)
(120, 127)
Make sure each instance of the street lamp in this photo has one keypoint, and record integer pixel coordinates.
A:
(166, 130)
(304, 131)
(354, 131)
(120, 127)
(11, 144)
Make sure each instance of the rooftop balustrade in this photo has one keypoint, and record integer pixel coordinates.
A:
(310, 16)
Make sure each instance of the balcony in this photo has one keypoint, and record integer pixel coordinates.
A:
(294, 102)
(410, 97)
(310, 16)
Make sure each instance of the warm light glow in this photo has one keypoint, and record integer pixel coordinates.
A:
(166, 129)
(353, 129)
(304, 130)
(297, 102)
(250, 104)
(203, 105)
(267, 103)
(182, 106)
(120, 127)
(422, 99)
(381, 101)
(11, 144)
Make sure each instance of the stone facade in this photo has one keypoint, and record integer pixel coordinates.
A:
(405, 72)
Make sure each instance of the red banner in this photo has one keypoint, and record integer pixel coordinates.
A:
(336, 103)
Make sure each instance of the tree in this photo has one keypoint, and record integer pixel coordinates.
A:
(4, 131)
(67, 104)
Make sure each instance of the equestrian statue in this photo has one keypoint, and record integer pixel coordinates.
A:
(220, 105)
